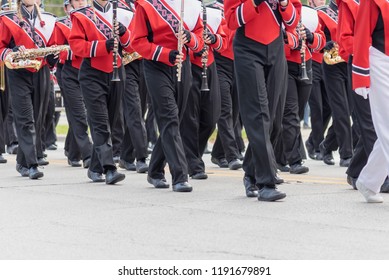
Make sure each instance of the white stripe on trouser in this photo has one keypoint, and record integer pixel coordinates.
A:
(377, 166)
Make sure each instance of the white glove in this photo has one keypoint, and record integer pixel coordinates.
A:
(363, 91)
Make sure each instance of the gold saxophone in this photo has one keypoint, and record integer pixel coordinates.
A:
(130, 57)
(28, 58)
(332, 56)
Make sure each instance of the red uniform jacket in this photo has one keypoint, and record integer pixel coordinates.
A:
(62, 32)
(215, 23)
(262, 23)
(156, 25)
(328, 19)
(11, 27)
(348, 10)
(294, 55)
(87, 37)
(365, 25)
(228, 48)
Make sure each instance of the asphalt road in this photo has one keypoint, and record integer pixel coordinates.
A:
(65, 216)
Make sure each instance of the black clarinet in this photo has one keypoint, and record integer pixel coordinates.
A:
(303, 71)
(204, 56)
(115, 74)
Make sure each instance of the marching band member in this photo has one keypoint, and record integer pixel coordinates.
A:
(80, 144)
(155, 39)
(261, 74)
(348, 11)
(370, 72)
(338, 88)
(299, 87)
(203, 108)
(92, 38)
(134, 144)
(27, 28)
(225, 149)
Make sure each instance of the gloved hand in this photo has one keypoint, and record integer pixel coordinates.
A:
(16, 48)
(109, 44)
(309, 36)
(122, 29)
(258, 2)
(52, 59)
(329, 45)
(173, 56)
(188, 36)
(363, 91)
(212, 37)
(200, 53)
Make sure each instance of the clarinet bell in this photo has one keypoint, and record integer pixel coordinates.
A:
(115, 75)
(204, 83)
(304, 75)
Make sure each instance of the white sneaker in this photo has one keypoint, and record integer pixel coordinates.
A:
(368, 194)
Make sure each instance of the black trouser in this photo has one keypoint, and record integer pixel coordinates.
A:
(261, 76)
(75, 114)
(134, 143)
(28, 90)
(50, 136)
(3, 116)
(118, 131)
(296, 98)
(40, 124)
(367, 137)
(102, 100)
(200, 117)
(10, 129)
(168, 98)
(238, 133)
(225, 145)
(337, 86)
(320, 109)
(151, 125)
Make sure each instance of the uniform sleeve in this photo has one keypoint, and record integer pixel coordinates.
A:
(319, 40)
(197, 42)
(238, 13)
(345, 31)
(221, 43)
(367, 13)
(125, 41)
(292, 40)
(291, 13)
(80, 46)
(4, 41)
(141, 44)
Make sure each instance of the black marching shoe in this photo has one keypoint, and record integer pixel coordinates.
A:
(278, 180)
(95, 176)
(298, 168)
(34, 173)
(86, 163)
(127, 165)
(352, 182)
(12, 149)
(112, 177)
(344, 162)
(74, 163)
(250, 187)
(283, 168)
(52, 147)
(235, 164)
(182, 187)
(24, 171)
(42, 161)
(385, 186)
(199, 176)
(2, 159)
(270, 193)
(141, 166)
(222, 162)
(327, 156)
(158, 183)
(310, 149)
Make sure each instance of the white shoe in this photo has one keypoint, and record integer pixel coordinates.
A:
(368, 194)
